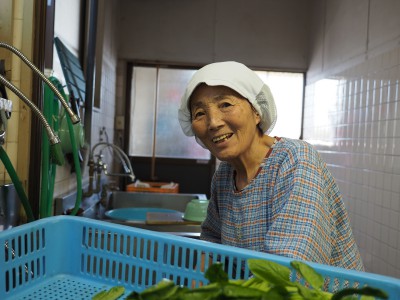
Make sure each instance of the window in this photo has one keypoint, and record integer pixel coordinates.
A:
(155, 130)
(155, 97)
(287, 89)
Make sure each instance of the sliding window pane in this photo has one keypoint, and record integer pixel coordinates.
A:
(155, 97)
(287, 89)
(143, 101)
(170, 140)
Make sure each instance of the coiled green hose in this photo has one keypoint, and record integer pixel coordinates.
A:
(51, 112)
(77, 166)
(49, 168)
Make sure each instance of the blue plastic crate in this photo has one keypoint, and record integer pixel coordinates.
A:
(67, 257)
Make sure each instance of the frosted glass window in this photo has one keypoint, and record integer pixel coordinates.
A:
(170, 140)
(287, 89)
(156, 95)
(143, 102)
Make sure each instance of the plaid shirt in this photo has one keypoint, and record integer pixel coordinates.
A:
(292, 208)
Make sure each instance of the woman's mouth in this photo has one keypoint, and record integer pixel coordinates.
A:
(221, 138)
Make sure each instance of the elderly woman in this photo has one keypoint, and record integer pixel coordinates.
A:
(269, 194)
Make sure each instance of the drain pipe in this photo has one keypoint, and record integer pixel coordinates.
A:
(90, 63)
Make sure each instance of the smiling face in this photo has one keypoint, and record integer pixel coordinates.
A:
(224, 121)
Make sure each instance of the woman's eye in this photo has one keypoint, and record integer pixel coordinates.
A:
(225, 104)
(198, 114)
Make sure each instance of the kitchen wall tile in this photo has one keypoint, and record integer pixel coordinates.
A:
(395, 202)
(360, 141)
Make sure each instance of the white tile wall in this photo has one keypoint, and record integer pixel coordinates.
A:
(353, 119)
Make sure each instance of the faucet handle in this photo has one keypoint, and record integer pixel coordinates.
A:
(99, 156)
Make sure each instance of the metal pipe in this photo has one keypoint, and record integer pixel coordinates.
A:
(53, 138)
(90, 67)
(74, 118)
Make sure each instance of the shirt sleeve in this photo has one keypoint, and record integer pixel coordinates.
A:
(302, 225)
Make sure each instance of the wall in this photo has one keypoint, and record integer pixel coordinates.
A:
(16, 19)
(16, 30)
(273, 34)
(67, 27)
(67, 15)
(352, 117)
(106, 71)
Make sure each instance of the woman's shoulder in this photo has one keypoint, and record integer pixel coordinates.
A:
(294, 143)
(296, 149)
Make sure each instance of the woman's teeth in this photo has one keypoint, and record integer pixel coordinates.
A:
(221, 138)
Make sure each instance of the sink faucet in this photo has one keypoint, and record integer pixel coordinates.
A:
(104, 196)
(98, 167)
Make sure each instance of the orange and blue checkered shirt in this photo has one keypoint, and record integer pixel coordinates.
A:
(292, 208)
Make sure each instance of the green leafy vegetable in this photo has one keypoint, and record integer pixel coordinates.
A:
(270, 281)
(309, 274)
(112, 294)
(163, 290)
(216, 273)
(270, 271)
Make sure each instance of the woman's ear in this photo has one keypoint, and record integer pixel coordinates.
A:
(258, 117)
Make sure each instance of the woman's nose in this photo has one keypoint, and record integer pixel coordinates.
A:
(214, 119)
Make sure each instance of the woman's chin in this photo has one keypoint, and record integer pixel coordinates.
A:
(223, 156)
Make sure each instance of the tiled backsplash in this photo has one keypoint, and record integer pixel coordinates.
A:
(353, 119)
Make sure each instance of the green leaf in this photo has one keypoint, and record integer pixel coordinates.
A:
(240, 292)
(238, 281)
(309, 274)
(112, 294)
(99, 295)
(276, 293)
(270, 271)
(257, 283)
(162, 290)
(211, 291)
(216, 273)
(309, 294)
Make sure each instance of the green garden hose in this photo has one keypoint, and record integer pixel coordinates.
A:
(44, 185)
(77, 166)
(51, 112)
(17, 183)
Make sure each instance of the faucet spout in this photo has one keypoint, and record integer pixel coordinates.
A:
(124, 159)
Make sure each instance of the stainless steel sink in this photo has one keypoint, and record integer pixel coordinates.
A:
(174, 201)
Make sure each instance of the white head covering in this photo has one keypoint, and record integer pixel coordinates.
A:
(239, 78)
